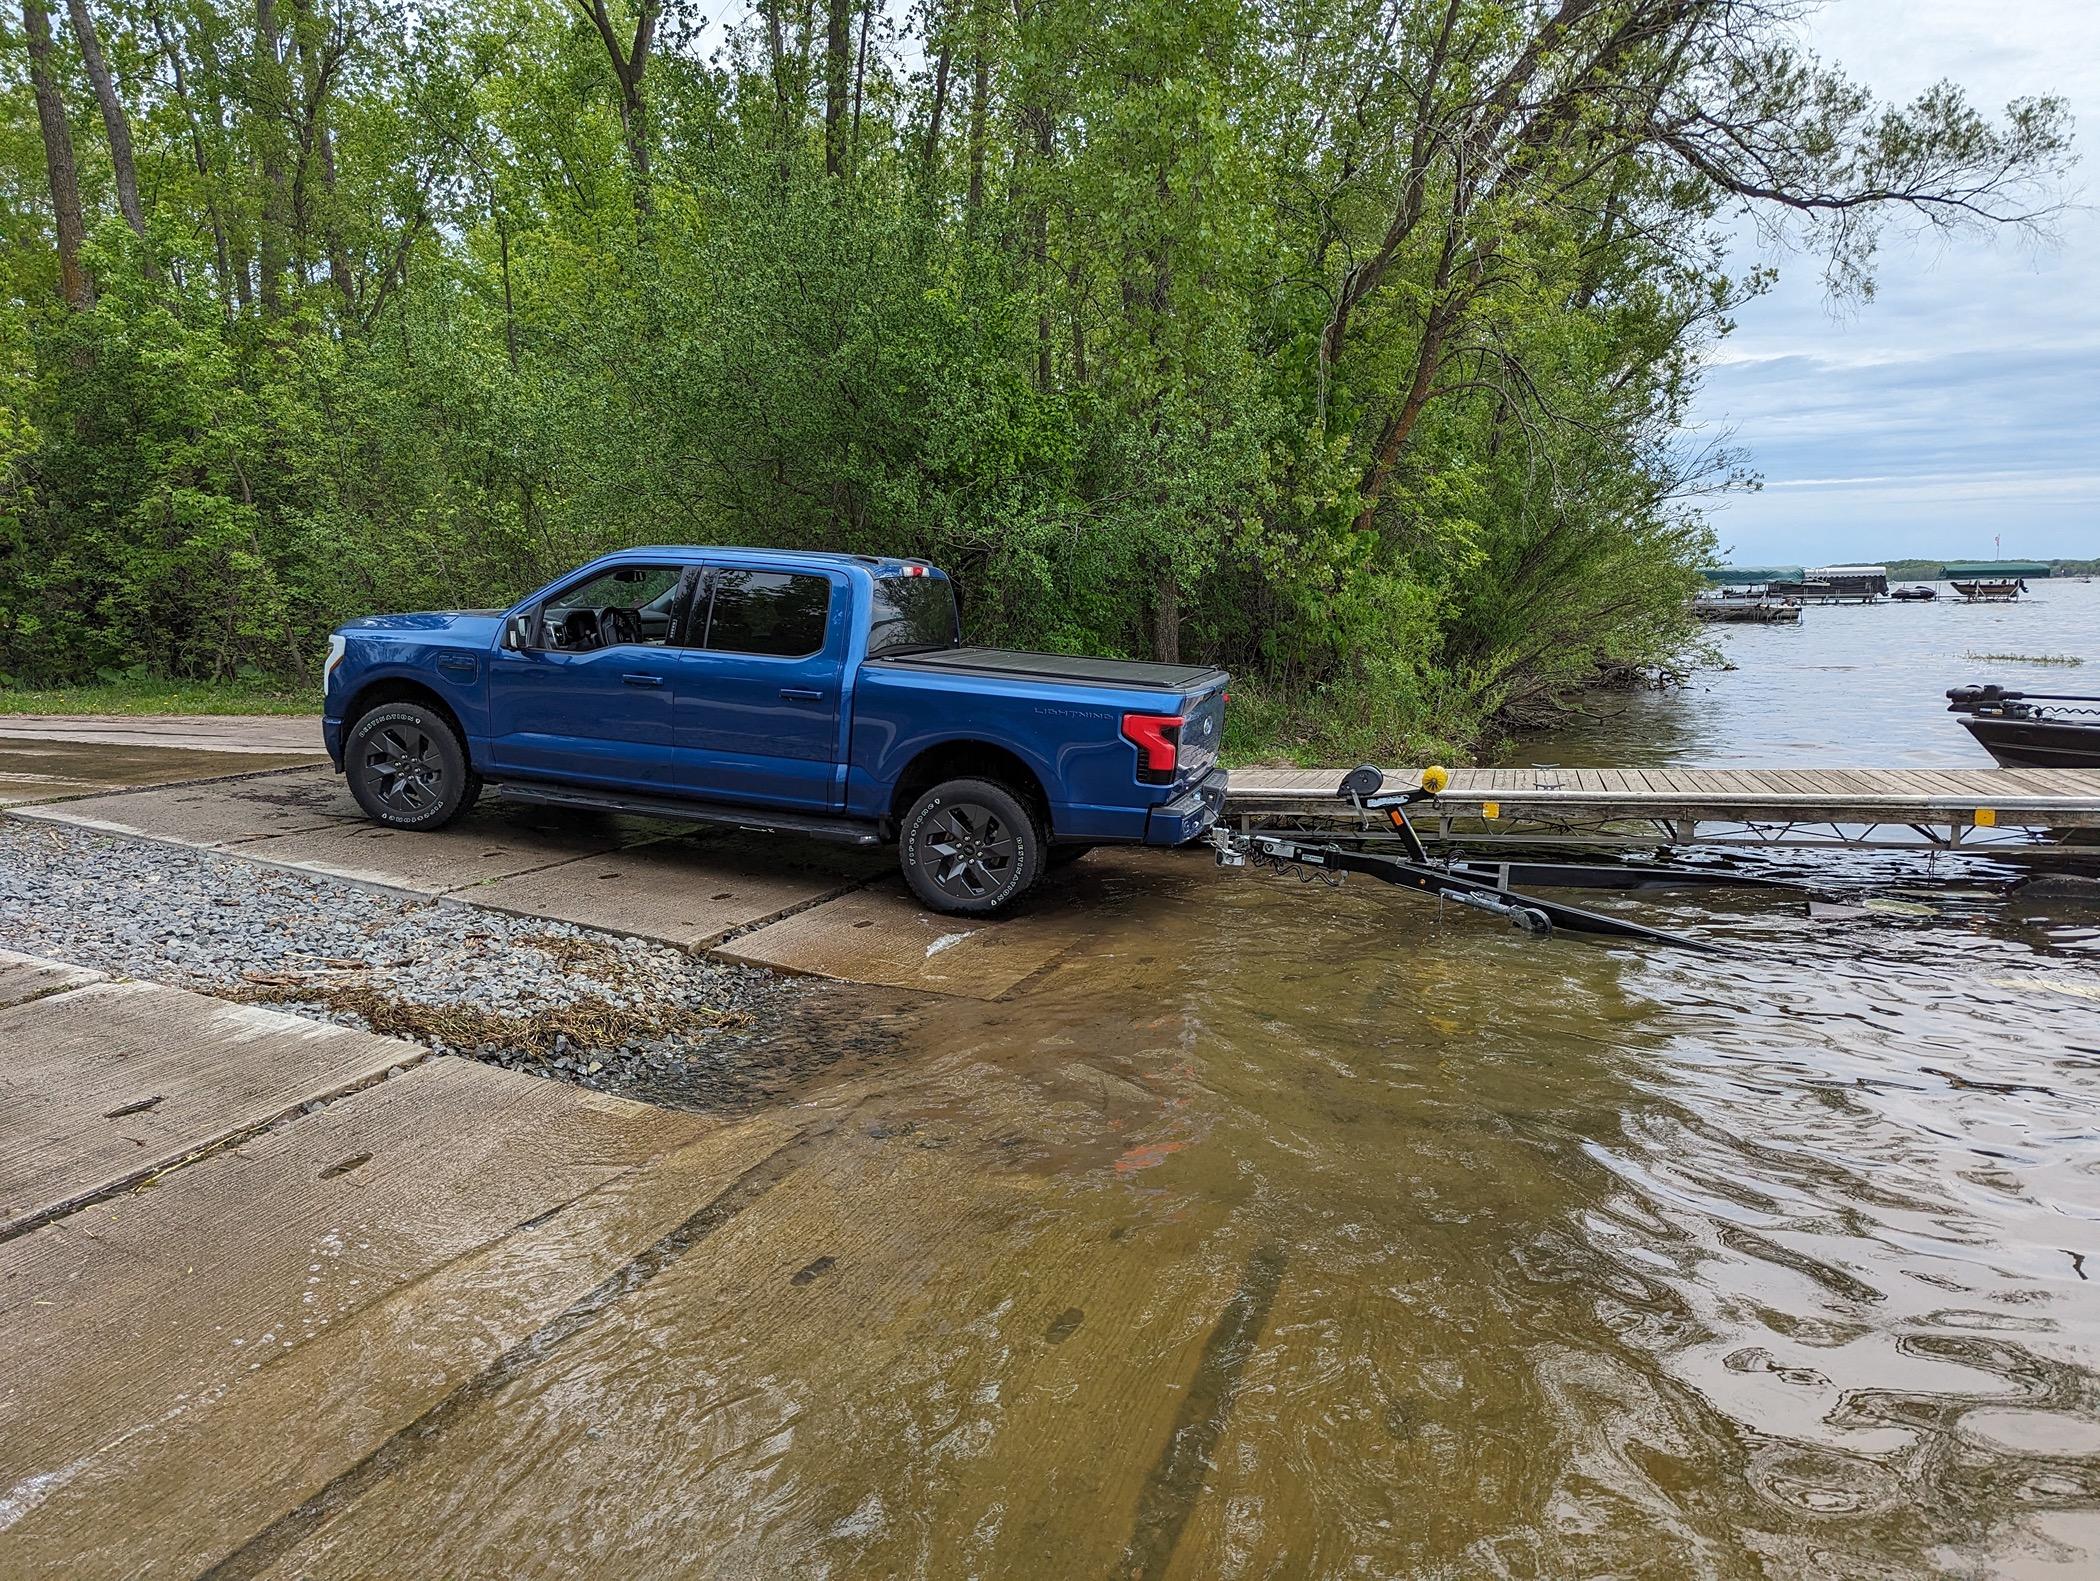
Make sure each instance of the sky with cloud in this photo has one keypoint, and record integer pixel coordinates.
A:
(1963, 401)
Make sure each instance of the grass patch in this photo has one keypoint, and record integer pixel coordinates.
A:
(1335, 727)
(143, 696)
(2067, 659)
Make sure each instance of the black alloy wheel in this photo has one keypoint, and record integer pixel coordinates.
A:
(967, 851)
(401, 766)
(971, 847)
(408, 768)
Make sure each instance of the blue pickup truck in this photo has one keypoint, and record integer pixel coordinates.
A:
(827, 694)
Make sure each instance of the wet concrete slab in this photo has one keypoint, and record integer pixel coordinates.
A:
(39, 770)
(1018, 1374)
(690, 891)
(214, 1278)
(228, 1455)
(881, 935)
(26, 977)
(104, 1084)
(270, 735)
(218, 813)
(471, 852)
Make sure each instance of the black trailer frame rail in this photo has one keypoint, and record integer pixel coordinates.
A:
(1486, 886)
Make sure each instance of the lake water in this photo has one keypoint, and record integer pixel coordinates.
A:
(1852, 686)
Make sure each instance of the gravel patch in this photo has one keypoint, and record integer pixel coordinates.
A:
(526, 993)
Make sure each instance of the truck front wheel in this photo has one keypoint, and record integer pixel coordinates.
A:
(408, 768)
(970, 847)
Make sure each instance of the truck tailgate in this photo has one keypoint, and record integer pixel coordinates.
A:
(1202, 733)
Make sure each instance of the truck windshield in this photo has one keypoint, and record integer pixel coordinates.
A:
(912, 614)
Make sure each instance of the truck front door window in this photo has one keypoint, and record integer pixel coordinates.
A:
(630, 605)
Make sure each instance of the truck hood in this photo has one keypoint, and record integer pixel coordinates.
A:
(470, 625)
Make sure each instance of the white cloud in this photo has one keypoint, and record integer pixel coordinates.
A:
(1970, 386)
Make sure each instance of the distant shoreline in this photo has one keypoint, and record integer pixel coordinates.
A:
(1929, 570)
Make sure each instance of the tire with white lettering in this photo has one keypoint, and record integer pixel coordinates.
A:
(970, 847)
(407, 767)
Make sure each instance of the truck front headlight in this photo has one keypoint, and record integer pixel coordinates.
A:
(338, 645)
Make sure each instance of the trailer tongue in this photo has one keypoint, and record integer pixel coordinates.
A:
(1482, 886)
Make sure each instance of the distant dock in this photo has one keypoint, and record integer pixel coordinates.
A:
(1754, 611)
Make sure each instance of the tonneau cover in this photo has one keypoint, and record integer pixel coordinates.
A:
(1064, 667)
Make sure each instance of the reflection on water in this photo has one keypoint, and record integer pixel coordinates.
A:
(1852, 686)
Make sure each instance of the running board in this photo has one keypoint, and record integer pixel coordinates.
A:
(846, 831)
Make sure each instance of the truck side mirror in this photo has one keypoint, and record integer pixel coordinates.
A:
(518, 634)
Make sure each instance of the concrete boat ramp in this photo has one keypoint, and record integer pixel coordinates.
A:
(241, 1252)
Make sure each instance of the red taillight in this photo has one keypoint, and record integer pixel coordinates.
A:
(1158, 740)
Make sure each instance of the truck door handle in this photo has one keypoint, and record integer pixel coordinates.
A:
(801, 694)
(643, 680)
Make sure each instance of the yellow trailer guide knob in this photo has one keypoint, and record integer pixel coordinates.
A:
(1435, 778)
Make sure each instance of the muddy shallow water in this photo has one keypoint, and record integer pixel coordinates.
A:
(1295, 1231)
(1575, 1261)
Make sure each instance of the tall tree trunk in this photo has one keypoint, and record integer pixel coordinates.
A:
(980, 91)
(1393, 436)
(776, 50)
(838, 17)
(73, 282)
(271, 100)
(114, 121)
(339, 271)
(628, 65)
(1037, 117)
(1166, 618)
(860, 73)
(941, 67)
(173, 56)
(318, 72)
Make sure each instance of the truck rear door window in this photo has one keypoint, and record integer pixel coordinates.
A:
(769, 612)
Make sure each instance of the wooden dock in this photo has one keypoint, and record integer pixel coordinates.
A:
(1684, 806)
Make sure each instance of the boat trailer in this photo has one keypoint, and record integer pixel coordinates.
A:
(1488, 886)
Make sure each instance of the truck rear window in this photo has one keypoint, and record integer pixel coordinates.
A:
(911, 614)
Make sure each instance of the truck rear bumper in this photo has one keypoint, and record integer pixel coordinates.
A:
(1189, 814)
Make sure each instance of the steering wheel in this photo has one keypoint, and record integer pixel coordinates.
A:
(579, 629)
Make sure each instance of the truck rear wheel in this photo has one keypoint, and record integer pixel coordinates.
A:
(408, 768)
(970, 847)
